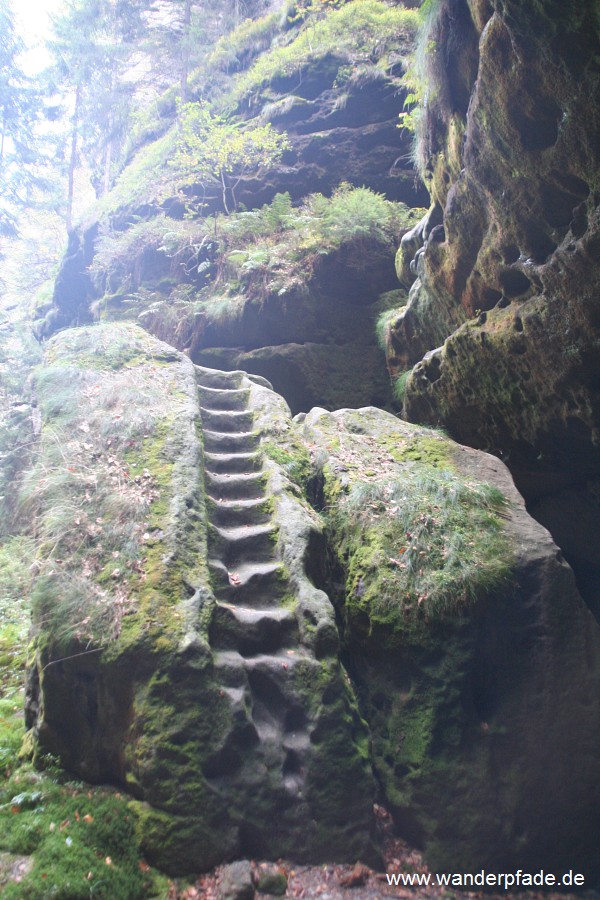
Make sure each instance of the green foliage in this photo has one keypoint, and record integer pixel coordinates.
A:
(20, 108)
(118, 254)
(16, 557)
(382, 326)
(427, 544)
(203, 151)
(247, 40)
(18, 354)
(145, 179)
(284, 243)
(96, 486)
(361, 31)
(400, 385)
(417, 78)
(209, 150)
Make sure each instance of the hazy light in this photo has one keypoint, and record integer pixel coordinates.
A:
(32, 18)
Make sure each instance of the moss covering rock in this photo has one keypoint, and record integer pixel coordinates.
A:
(128, 681)
(502, 322)
(467, 642)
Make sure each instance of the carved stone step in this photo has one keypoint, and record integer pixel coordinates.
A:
(244, 486)
(230, 442)
(232, 462)
(241, 543)
(250, 583)
(223, 398)
(253, 631)
(215, 378)
(226, 420)
(235, 513)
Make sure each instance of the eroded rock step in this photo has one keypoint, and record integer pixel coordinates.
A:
(235, 513)
(226, 420)
(230, 442)
(251, 631)
(224, 398)
(256, 639)
(241, 543)
(232, 462)
(235, 485)
(279, 720)
(250, 584)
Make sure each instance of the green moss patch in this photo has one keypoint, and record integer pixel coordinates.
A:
(76, 841)
(349, 33)
(416, 539)
(102, 486)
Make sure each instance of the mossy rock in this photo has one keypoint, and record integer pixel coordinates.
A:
(472, 686)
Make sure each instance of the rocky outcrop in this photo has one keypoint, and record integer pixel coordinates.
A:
(502, 322)
(345, 131)
(181, 650)
(186, 646)
(480, 684)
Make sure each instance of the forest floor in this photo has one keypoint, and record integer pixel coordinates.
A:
(358, 882)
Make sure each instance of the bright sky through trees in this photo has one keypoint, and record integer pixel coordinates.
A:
(32, 18)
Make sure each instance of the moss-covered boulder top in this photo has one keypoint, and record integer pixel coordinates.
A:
(114, 487)
(467, 641)
(180, 649)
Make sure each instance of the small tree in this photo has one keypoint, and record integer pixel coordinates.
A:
(210, 151)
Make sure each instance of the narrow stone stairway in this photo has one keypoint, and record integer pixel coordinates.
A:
(248, 579)
(254, 637)
(287, 754)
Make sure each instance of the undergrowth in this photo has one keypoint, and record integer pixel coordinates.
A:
(58, 838)
(400, 386)
(95, 486)
(271, 249)
(363, 31)
(66, 839)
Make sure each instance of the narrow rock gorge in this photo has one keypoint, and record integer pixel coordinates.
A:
(313, 499)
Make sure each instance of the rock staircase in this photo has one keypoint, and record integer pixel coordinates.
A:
(286, 764)
(254, 638)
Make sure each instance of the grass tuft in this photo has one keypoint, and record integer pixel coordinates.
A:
(428, 544)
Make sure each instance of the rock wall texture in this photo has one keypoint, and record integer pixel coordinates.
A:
(185, 637)
(180, 648)
(479, 683)
(502, 321)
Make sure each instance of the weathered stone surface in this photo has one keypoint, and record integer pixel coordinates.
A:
(347, 131)
(272, 880)
(502, 322)
(307, 341)
(180, 653)
(236, 881)
(483, 706)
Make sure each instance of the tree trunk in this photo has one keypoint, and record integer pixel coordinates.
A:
(73, 158)
(185, 54)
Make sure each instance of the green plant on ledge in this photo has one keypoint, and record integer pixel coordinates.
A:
(425, 545)
(212, 152)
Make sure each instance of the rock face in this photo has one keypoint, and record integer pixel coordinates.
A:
(181, 650)
(338, 104)
(186, 647)
(502, 321)
(480, 685)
